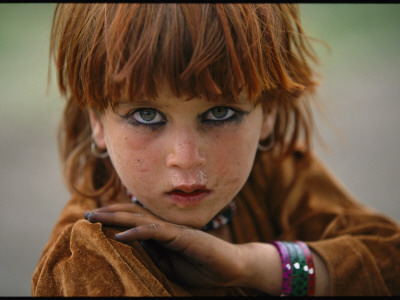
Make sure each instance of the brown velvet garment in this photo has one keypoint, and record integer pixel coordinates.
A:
(297, 199)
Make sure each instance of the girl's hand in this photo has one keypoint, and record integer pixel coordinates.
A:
(186, 255)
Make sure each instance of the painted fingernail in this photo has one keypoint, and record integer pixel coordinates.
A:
(87, 215)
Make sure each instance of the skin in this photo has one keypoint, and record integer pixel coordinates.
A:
(187, 150)
(184, 147)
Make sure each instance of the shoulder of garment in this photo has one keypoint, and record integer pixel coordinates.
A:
(360, 246)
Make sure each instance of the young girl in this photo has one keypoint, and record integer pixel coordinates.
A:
(186, 147)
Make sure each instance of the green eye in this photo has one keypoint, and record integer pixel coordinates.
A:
(219, 113)
(148, 116)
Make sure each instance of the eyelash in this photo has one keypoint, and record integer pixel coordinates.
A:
(131, 119)
(236, 117)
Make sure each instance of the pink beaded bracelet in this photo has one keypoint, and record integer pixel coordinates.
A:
(286, 268)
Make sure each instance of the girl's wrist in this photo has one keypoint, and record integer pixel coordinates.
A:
(262, 268)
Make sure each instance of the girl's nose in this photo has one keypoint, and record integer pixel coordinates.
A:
(185, 150)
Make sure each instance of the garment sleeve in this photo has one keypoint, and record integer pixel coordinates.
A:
(360, 246)
(84, 262)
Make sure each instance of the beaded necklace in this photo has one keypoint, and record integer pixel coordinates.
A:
(219, 220)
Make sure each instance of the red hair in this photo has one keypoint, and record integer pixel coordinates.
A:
(105, 52)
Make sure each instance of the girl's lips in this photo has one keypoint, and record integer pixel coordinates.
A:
(188, 199)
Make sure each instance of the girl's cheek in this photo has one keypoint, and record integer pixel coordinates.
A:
(141, 149)
(141, 166)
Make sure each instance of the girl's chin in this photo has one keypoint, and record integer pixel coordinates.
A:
(189, 222)
(185, 218)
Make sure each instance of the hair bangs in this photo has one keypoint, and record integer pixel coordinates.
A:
(199, 50)
(189, 48)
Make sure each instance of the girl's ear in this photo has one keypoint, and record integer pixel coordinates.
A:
(268, 122)
(96, 125)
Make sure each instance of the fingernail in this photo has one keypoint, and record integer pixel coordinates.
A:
(87, 215)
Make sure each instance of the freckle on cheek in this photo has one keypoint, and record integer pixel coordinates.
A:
(141, 166)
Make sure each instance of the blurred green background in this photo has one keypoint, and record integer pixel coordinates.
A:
(360, 89)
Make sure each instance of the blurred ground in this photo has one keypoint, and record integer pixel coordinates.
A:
(360, 91)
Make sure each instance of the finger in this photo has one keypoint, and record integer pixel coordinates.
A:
(126, 219)
(171, 236)
(127, 207)
(157, 231)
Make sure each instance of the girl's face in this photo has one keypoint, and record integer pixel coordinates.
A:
(183, 160)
